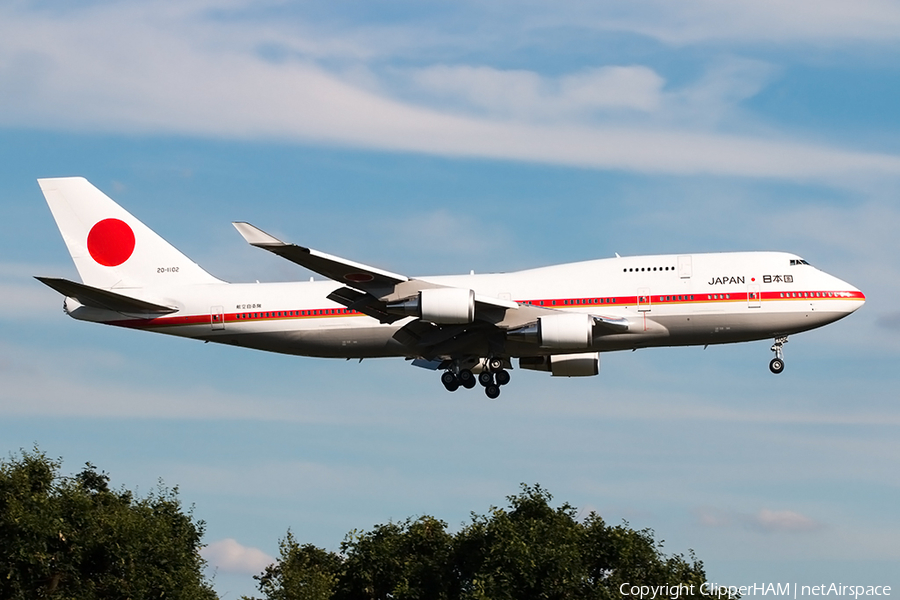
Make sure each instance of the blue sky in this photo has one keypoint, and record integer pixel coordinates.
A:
(431, 138)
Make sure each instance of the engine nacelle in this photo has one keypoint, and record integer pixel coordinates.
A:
(566, 331)
(584, 364)
(447, 306)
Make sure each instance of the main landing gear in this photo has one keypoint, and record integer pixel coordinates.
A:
(491, 377)
(463, 377)
(776, 365)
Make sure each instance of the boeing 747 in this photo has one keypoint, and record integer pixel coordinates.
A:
(556, 319)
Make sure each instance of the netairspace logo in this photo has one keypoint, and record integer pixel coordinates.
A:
(714, 590)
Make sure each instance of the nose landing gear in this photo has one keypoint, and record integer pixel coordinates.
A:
(776, 365)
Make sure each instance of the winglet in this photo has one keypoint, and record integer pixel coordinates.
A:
(256, 236)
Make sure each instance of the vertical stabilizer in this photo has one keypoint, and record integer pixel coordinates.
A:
(110, 247)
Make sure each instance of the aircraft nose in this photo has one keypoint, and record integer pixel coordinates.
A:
(854, 297)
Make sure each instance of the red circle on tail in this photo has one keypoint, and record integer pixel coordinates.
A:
(111, 242)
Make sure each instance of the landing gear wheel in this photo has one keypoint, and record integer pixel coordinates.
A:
(777, 364)
(494, 364)
(467, 379)
(450, 381)
(492, 391)
(485, 378)
(502, 377)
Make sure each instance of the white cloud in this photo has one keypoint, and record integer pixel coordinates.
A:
(621, 95)
(784, 521)
(131, 67)
(231, 556)
(741, 21)
(523, 94)
(635, 87)
(714, 99)
(766, 520)
(712, 517)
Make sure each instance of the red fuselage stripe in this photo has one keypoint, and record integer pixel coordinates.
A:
(618, 301)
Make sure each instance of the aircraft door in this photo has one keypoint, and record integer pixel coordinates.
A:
(217, 317)
(685, 270)
(753, 298)
(643, 299)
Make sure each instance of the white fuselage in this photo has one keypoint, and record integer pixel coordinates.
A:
(668, 300)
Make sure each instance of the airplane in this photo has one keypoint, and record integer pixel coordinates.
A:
(556, 319)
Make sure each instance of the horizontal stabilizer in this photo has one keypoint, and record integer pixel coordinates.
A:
(103, 299)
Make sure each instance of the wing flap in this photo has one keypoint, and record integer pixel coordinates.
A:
(364, 303)
(528, 315)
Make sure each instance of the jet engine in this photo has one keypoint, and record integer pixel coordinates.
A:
(584, 364)
(441, 306)
(565, 331)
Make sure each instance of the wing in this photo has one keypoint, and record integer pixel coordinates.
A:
(363, 277)
(380, 284)
(480, 330)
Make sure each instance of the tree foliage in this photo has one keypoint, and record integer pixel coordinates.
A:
(527, 550)
(74, 537)
(302, 572)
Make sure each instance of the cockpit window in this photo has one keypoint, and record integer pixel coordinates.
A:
(798, 261)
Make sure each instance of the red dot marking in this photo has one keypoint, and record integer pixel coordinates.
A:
(358, 277)
(111, 242)
(753, 279)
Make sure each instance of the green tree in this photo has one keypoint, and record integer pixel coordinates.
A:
(74, 537)
(408, 560)
(301, 572)
(527, 550)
